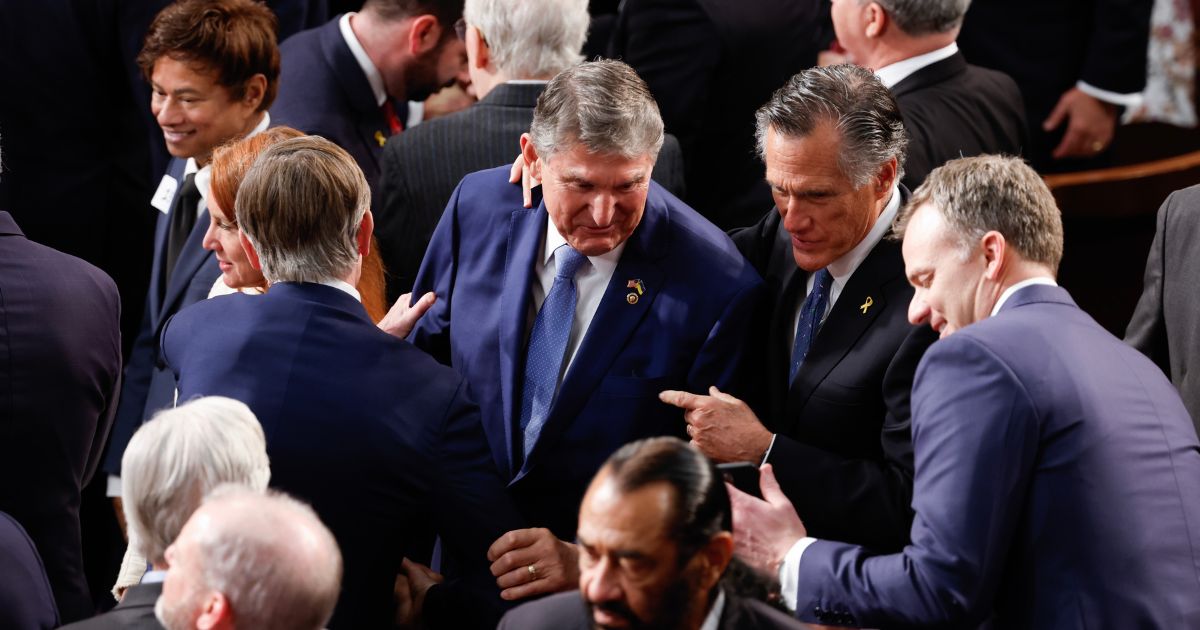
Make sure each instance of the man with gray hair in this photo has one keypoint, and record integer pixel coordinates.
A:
(170, 464)
(1057, 474)
(568, 318)
(835, 354)
(951, 108)
(251, 560)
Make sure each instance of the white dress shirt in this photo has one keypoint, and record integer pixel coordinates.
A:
(894, 73)
(712, 621)
(416, 109)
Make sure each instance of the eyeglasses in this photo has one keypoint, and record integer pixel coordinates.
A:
(460, 29)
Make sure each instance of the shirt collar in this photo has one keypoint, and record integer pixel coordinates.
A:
(1017, 287)
(842, 268)
(204, 174)
(344, 286)
(364, 61)
(526, 82)
(713, 620)
(554, 240)
(894, 73)
(153, 577)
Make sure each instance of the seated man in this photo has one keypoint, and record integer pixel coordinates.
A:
(251, 561)
(373, 432)
(171, 463)
(657, 550)
(568, 318)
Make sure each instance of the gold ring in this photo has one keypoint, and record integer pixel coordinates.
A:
(532, 570)
(1097, 146)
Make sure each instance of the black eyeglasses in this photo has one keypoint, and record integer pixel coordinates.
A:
(460, 28)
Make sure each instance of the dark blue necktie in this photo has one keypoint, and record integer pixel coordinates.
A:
(811, 313)
(548, 345)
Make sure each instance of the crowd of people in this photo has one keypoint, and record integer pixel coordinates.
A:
(751, 323)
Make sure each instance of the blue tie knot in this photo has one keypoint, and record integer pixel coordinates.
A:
(567, 260)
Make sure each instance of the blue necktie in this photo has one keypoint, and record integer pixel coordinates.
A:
(548, 345)
(811, 313)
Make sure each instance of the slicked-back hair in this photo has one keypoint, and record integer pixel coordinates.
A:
(925, 17)
(531, 39)
(234, 39)
(700, 504)
(603, 106)
(301, 205)
(446, 11)
(858, 105)
(977, 195)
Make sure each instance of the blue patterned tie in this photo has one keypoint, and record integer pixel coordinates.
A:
(811, 313)
(548, 345)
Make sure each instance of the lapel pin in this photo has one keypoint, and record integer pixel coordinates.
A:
(632, 298)
(638, 289)
(380, 138)
(866, 305)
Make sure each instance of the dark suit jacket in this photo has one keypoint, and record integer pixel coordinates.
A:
(323, 92)
(567, 611)
(952, 109)
(711, 64)
(135, 612)
(149, 386)
(378, 437)
(60, 370)
(685, 332)
(26, 602)
(422, 166)
(1049, 45)
(843, 450)
(1057, 481)
(1166, 324)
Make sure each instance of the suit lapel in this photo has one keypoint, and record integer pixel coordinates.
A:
(525, 230)
(370, 124)
(191, 257)
(162, 225)
(931, 75)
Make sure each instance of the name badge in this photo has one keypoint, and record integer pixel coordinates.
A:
(166, 191)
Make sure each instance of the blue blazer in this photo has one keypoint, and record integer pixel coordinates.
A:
(26, 602)
(149, 386)
(686, 331)
(377, 436)
(1057, 484)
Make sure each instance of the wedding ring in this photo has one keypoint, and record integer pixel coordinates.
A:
(1097, 146)
(532, 571)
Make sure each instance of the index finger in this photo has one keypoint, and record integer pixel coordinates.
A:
(515, 539)
(683, 400)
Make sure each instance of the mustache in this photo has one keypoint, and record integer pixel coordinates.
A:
(616, 609)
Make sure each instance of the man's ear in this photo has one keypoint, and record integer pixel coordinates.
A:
(714, 558)
(255, 91)
(424, 34)
(885, 179)
(215, 613)
(248, 247)
(877, 21)
(994, 249)
(477, 48)
(532, 163)
(365, 229)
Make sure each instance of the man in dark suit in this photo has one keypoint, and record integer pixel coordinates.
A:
(951, 109)
(513, 48)
(26, 601)
(835, 354)
(1166, 324)
(1058, 474)
(60, 368)
(373, 432)
(351, 79)
(568, 318)
(710, 64)
(660, 506)
(1076, 61)
(221, 94)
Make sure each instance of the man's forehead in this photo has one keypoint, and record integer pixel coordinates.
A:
(633, 519)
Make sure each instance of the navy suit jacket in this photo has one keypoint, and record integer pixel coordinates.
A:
(26, 602)
(323, 92)
(685, 332)
(135, 612)
(377, 436)
(1057, 482)
(149, 387)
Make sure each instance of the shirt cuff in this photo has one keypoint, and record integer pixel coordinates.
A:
(1128, 101)
(789, 573)
(768, 453)
(113, 488)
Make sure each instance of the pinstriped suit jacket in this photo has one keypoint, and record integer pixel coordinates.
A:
(422, 166)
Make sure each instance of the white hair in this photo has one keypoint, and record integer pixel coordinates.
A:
(531, 39)
(175, 459)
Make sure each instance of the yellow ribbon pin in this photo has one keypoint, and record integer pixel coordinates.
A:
(866, 305)
(380, 138)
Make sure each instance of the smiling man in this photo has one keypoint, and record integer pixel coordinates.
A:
(568, 318)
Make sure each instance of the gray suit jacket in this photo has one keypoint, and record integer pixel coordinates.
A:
(135, 612)
(422, 166)
(1166, 324)
(566, 611)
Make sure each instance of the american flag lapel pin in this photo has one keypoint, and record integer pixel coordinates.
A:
(637, 289)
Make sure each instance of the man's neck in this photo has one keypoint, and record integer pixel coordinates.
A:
(897, 48)
(487, 80)
(203, 160)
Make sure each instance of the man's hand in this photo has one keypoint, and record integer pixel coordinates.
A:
(519, 173)
(410, 589)
(721, 426)
(452, 98)
(764, 530)
(1090, 124)
(401, 318)
(555, 564)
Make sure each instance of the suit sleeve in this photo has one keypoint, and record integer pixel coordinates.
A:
(399, 242)
(721, 357)
(134, 389)
(113, 375)
(1116, 52)
(975, 434)
(668, 169)
(1147, 329)
(437, 274)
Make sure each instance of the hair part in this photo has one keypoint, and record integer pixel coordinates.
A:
(531, 39)
(977, 195)
(925, 17)
(231, 39)
(852, 99)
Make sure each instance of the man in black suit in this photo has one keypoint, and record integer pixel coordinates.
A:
(837, 355)
(656, 539)
(710, 64)
(1077, 62)
(60, 367)
(26, 601)
(951, 109)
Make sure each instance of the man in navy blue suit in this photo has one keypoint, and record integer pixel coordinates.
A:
(568, 318)
(378, 437)
(212, 66)
(1057, 479)
(350, 80)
